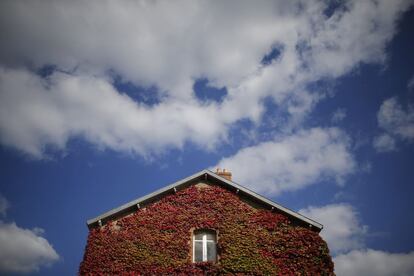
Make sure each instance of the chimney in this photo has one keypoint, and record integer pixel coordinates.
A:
(225, 174)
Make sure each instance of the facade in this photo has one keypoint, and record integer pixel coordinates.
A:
(204, 224)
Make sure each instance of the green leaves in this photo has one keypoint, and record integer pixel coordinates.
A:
(157, 239)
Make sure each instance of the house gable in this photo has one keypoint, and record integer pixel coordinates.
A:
(206, 177)
(158, 239)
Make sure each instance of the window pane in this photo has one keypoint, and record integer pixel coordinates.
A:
(211, 236)
(199, 236)
(211, 251)
(198, 251)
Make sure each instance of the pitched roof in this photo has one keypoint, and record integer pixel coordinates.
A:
(207, 175)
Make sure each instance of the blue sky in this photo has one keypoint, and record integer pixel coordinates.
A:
(309, 103)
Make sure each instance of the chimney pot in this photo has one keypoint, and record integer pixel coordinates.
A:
(225, 174)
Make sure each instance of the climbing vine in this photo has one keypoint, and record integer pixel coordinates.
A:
(157, 239)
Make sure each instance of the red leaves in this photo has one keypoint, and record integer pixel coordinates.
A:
(269, 220)
(157, 239)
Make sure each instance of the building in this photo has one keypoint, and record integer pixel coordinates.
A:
(204, 224)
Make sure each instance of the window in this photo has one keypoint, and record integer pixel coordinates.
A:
(204, 246)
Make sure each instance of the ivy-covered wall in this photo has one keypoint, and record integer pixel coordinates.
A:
(157, 239)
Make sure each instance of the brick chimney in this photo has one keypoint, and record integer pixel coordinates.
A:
(223, 173)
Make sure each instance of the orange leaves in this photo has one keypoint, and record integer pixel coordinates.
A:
(157, 240)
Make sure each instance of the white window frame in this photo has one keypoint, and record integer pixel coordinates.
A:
(204, 241)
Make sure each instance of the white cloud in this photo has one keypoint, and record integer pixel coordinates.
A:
(293, 162)
(342, 228)
(397, 123)
(24, 250)
(374, 262)
(49, 113)
(345, 236)
(169, 45)
(384, 143)
(358, 33)
(394, 119)
(338, 115)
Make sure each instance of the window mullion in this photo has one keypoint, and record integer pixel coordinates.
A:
(204, 248)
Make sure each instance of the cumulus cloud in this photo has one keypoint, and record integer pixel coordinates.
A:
(384, 143)
(342, 228)
(4, 205)
(397, 123)
(345, 236)
(358, 33)
(24, 250)
(49, 112)
(374, 262)
(393, 118)
(169, 46)
(294, 161)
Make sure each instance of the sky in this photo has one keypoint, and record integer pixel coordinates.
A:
(309, 103)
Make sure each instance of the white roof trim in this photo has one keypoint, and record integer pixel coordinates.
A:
(136, 202)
